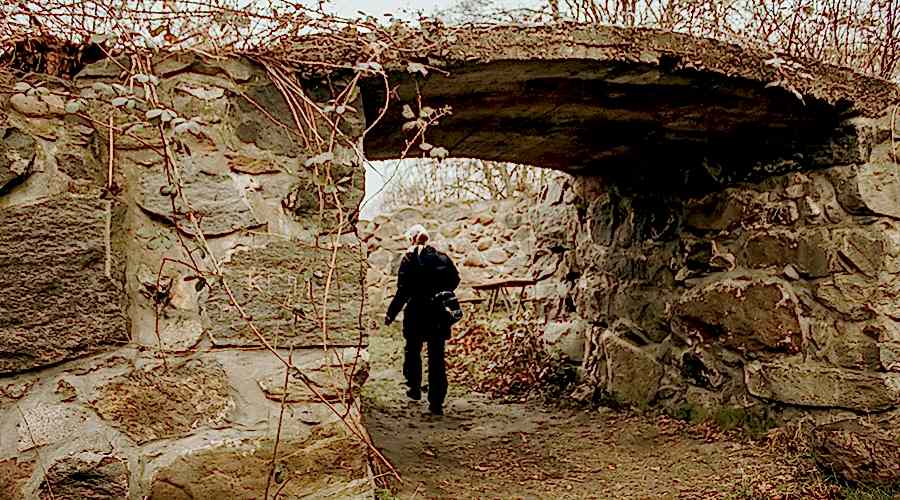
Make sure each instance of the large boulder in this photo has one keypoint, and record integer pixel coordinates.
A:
(858, 453)
(751, 315)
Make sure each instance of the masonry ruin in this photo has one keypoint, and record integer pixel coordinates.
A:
(729, 238)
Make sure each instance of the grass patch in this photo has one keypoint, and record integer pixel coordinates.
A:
(870, 492)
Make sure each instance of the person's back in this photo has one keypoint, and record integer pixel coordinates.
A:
(423, 273)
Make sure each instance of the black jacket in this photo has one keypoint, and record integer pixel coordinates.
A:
(421, 275)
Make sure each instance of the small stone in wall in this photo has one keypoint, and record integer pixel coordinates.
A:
(29, 105)
(86, 475)
(496, 256)
(849, 294)
(848, 344)
(165, 401)
(14, 474)
(862, 247)
(474, 259)
(715, 212)
(326, 380)
(889, 347)
(634, 374)
(65, 390)
(484, 243)
(217, 200)
(807, 252)
(566, 338)
(381, 260)
(282, 288)
(48, 424)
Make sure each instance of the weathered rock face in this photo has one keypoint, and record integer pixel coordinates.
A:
(62, 295)
(86, 475)
(858, 453)
(158, 403)
(742, 313)
(119, 377)
(240, 470)
(283, 286)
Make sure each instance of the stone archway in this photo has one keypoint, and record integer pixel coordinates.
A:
(730, 215)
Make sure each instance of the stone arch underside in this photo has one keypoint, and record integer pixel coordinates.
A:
(639, 106)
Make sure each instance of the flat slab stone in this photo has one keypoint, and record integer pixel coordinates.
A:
(282, 288)
(879, 188)
(327, 464)
(330, 378)
(165, 402)
(822, 385)
(49, 424)
(57, 299)
(215, 198)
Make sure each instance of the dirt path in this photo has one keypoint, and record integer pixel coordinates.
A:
(485, 449)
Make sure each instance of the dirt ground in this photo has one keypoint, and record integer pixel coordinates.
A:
(485, 449)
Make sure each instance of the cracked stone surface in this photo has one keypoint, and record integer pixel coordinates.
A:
(281, 287)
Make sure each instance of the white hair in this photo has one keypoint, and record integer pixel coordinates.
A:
(417, 235)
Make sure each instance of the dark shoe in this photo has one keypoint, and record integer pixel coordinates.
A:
(436, 410)
(414, 394)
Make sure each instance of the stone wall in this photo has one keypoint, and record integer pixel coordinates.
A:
(487, 240)
(777, 297)
(122, 373)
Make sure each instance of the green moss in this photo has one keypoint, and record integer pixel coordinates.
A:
(690, 413)
(753, 421)
(869, 492)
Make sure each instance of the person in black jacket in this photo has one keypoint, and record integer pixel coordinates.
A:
(423, 272)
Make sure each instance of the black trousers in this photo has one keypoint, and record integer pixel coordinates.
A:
(437, 371)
